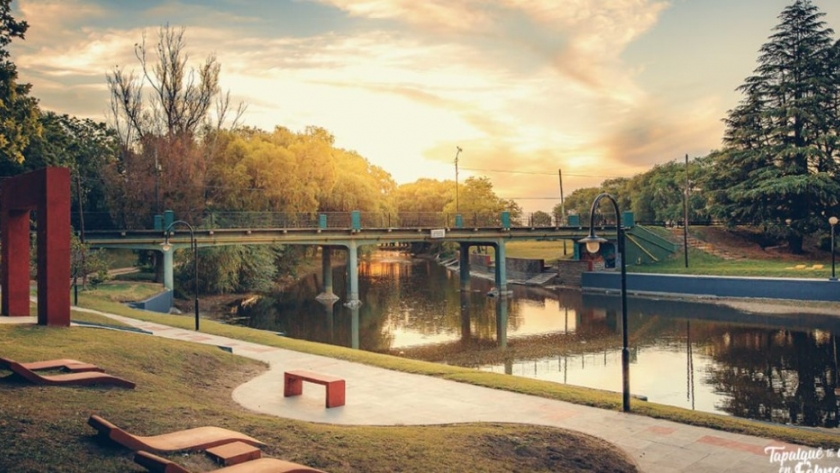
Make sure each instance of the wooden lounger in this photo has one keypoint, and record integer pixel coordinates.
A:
(157, 464)
(66, 364)
(199, 438)
(84, 378)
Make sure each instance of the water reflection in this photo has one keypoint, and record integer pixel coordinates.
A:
(698, 356)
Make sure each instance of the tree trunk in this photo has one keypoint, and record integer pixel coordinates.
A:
(795, 244)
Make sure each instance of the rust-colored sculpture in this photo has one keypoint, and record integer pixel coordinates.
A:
(157, 464)
(196, 439)
(47, 192)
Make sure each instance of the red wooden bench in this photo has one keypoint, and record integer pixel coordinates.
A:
(293, 385)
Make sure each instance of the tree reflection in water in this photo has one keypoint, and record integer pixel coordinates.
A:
(777, 376)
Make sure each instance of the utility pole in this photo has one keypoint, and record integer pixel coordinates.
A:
(562, 202)
(457, 204)
(685, 212)
(157, 183)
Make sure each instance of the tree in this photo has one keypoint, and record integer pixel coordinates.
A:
(540, 219)
(163, 161)
(424, 196)
(780, 160)
(478, 200)
(579, 202)
(18, 111)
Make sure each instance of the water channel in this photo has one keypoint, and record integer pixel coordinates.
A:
(694, 355)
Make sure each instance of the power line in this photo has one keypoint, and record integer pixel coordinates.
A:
(536, 173)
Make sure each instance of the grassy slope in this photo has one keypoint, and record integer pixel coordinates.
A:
(182, 385)
(752, 262)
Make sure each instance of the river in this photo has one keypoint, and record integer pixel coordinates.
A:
(694, 355)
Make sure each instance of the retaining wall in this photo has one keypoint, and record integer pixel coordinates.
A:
(158, 303)
(714, 286)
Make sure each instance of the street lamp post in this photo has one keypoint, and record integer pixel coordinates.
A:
(593, 244)
(194, 246)
(832, 221)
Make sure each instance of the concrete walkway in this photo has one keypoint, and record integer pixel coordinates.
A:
(377, 396)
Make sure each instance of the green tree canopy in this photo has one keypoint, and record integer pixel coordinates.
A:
(18, 111)
(424, 195)
(780, 160)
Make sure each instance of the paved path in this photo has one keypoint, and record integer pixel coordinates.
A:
(377, 396)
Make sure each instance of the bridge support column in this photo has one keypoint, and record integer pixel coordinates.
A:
(353, 275)
(501, 274)
(464, 265)
(327, 276)
(502, 321)
(168, 277)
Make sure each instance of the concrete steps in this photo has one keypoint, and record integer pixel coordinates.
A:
(678, 236)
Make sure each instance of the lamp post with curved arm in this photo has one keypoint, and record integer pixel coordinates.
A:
(194, 246)
(593, 244)
(832, 221)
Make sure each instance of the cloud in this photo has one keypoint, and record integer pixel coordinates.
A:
(520, 85)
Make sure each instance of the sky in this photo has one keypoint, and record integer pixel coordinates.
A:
(528, 89)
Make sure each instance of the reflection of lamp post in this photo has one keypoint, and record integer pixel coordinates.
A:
(593, 244)
(832, 221)
(194, 245)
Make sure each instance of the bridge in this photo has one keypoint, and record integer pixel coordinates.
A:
(351, 230)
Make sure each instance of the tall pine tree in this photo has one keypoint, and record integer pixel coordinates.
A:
(779, 165)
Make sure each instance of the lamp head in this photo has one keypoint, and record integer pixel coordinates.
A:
(832, 221)
(592, 242)
(166, 246)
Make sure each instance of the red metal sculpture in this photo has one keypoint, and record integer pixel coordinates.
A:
(47, 192)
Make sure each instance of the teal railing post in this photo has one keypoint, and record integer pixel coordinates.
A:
(627, 219)
(168, 218)
(159, 223)
(322, 221)
(506, 220)
(459, 221)
(356, 220)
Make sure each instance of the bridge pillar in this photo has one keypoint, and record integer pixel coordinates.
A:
(501, 274)
(327, 276)
(168, 278)
(353, 276)
(464, 265)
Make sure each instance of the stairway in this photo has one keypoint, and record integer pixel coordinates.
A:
(678, 237)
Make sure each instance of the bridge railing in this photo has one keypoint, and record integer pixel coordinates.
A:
(327, 220)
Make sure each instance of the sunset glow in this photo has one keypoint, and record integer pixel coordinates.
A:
(597, 88)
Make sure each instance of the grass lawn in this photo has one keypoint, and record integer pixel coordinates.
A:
(700, 262)
(183, 385)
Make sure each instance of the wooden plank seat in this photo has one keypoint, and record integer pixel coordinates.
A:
(157, 464)
(234, 453)
(84, 378)
(293, 385)
(66, 364)
(196, 439)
